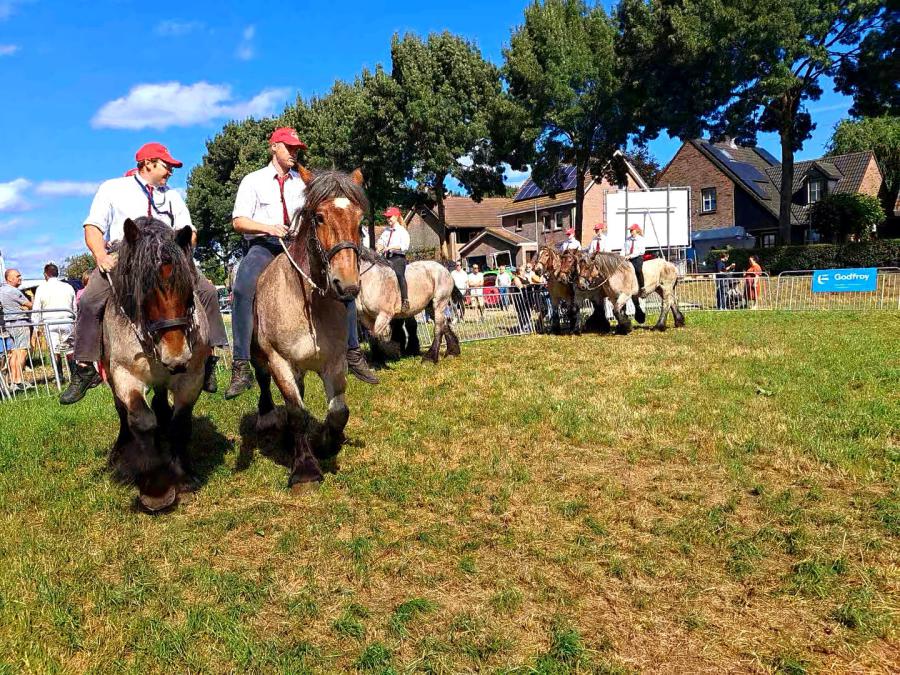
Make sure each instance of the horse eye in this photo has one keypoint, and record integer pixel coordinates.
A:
(320, 219)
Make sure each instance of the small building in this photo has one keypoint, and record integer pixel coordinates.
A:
(465, 218)
(736, 186)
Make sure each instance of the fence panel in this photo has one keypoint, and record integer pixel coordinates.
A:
(795, 293)
(41, 367)
(725, 291)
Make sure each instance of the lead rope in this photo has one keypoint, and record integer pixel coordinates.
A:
(297, 267)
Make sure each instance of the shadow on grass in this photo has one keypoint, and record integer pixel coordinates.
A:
(276, 445)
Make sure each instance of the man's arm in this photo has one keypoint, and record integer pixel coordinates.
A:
(93, 238)
(246, 225)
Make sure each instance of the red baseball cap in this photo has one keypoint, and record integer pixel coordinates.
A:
(634, 227)
(393, 211)
(571, 230)
(287, 136)
(156, 151)
(599, 226)
(130, 172)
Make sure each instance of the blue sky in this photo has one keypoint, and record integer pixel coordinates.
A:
(87, 83)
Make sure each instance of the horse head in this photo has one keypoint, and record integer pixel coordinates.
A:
(587, 274)
(329, 229)
(568, 263)
(154, 285)
(546, 261)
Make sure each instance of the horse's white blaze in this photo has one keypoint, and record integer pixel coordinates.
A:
(342, 202)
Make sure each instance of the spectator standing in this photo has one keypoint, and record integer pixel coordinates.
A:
(722, 271)
(520, 301)
(751, 280)
(461, 281)
(14, 302)
(476, 283)
(504, 281)
(54, 303)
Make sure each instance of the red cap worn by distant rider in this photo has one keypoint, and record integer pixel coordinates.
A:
(570, 231)
(599, 226)
(130, 172)
(634, 227)
(287, 136)
(393, 211)
(156, 151)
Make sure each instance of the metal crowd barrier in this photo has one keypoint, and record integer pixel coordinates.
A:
(43, 363)
(721, 292)
(795, 293)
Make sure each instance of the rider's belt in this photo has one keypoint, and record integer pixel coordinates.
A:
(394, 255)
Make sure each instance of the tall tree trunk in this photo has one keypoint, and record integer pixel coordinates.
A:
(787, 181)
(579, 199)
(442, 223)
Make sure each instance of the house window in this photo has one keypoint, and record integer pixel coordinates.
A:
(559, 221)
(708, 204)
(463, 236)
(546, 222)
(518, 224)
(768, 240)
(816, 190)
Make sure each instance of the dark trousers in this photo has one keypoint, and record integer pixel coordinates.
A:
(89, 324)
(262, 251)
(638, 263)
(398, 264)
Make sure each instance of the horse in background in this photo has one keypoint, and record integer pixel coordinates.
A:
(300, 321)
(155, 338)
(431, 289)
(661, 277)
(560, 271)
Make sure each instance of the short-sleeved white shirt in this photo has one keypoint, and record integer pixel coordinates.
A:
(634, 246)
(394, 239)
(259, 197)
(476, 281)
(119, 199)
(460, 279)
(570, 245)
(53, 294)
(598, 244)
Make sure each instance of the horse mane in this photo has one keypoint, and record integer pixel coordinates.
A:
(137, 273)
(368, 255)
(607, 263)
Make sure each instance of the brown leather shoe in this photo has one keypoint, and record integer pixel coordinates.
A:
(356, 364)
(241, 379)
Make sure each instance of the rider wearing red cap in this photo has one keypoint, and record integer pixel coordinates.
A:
(265, 204)
(634, 251)
(598, 243)
(141, 192)
(393, 244)
(570, 243)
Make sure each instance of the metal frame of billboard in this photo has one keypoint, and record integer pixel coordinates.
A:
(664, 211)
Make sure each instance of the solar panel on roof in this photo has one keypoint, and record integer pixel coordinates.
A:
(746, 171)
(768, 156)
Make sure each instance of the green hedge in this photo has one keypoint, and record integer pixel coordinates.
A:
(876, 253)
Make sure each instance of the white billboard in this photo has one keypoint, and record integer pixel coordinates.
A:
(664, 216)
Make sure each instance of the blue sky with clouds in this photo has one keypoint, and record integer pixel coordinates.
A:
(86, 83)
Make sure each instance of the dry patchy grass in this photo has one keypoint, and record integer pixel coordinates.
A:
(719, 498)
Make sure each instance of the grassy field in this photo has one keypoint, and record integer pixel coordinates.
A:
(723, 497)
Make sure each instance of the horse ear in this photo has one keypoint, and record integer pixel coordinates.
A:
(305, 174)
(357, 177)
(184, 237)
(132, 232)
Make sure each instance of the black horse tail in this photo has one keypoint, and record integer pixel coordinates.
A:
(457, 297)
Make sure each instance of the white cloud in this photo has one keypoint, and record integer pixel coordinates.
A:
(245, 50)
(828, 108)
(514, 178)
(12, 197)
(66, 188)
(12, 224)
(172, 104)
(8, 50)
(175, 28)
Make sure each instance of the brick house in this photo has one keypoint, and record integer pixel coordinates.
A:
(532, 213)
(465, 219)
(735, 186)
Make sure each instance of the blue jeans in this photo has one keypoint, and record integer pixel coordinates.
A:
(262, 251)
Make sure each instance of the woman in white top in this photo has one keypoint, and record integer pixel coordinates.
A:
(634, 251)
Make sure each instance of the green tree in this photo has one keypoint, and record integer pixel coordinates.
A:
(449, 105)
(561, 67)
(844, 215)
(743, 67)
(872, 77)
(645, 163)
(880, 135)
(76, 265)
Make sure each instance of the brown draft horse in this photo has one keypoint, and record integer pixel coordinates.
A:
(154, 337)
(559, 268)
(300, 321)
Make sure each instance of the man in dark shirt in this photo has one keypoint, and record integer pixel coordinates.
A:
(722, 270)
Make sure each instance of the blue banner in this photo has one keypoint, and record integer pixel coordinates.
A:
(853, 280)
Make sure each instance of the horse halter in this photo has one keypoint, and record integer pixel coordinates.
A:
(314, 245)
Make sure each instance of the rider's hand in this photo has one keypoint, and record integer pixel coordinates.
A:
(278, 231)
(106, 262)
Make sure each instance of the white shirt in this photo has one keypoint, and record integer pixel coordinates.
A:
(395, 239)
(598, 244)
(54, 294)
(127, 197)
(476, 281)
(460, 279)
(364, 236)
(504, 280)
(634, 246)
(259, 197)
(570, 244)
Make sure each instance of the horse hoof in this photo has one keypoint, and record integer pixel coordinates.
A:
(153, 504)
(429, 359)
(304, 485)
(661, 329)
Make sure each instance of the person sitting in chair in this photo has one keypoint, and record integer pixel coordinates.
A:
(570, 243)
(634, 252)
(393, 245)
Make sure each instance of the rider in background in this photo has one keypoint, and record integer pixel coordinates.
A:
(265, 203)
(143, 193)
(634, 250)
(393, 245)
(570, 243)
(598, 243)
